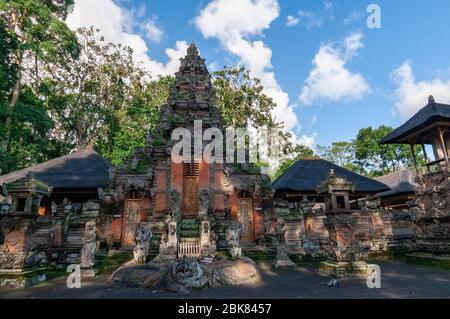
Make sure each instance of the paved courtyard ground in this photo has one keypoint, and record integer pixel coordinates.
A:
(399, 280)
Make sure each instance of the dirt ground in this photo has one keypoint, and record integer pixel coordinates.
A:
(398, 280)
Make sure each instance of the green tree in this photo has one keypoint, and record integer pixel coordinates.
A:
(241, 100)
(243, 103)
(41, 37)
(295, 152)
(374, 159)
(135, 121)
(88, 94)
(339, 153)
(31, 127)
(8, 69)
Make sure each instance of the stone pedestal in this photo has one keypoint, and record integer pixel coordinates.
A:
(89, 273)
(360, 269)
(282, 259)
(339, 269)
(283, 263)
(336, 269)
(21, 278)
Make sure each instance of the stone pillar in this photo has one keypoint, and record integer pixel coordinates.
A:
(169, 242)
(208, 246)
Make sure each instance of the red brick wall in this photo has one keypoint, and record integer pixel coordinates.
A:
(176, 181)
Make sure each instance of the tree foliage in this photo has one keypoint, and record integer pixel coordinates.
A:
(365, 154)
(241, 100)
(340, 153)
(41, 37)
(375, 159)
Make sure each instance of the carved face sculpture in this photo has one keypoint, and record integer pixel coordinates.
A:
(172, 229)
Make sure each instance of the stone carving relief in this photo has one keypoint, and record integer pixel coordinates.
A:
(233, 234)
(203, 202)
(175, 204)
(143, 237)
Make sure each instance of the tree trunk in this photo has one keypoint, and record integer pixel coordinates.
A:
(11, 105)
(15, 93)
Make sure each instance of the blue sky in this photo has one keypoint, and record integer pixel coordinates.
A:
(380, 77)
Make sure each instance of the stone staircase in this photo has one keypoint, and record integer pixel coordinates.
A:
(189, 228)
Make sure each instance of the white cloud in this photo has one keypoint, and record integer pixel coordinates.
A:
(213, 67)
(291, 21)
(151, 30)
(307, 140)
(310, 19)
(330, 80)
(315, 19)
(353, 17)
(116, 26)
(314, 120)
(412, 95)
(233, 23)
(352, 43)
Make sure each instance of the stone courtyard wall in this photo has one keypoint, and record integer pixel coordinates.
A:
(378, 230)
(52, 239)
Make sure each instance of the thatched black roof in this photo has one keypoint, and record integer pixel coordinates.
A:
(400, 182)
(432, 112)
(81, 169)
(305, 175)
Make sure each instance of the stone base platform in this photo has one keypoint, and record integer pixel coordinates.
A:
(89, 273)
(16, 279)
(336, 269)
(283, 263)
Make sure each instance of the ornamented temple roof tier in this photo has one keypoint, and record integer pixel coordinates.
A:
(192, 97)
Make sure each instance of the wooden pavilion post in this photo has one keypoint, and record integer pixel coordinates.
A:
(411, 144)
(426, 157)
(444, 149)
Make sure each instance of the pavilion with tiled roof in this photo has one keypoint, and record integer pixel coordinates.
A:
(305, 175)
(429, 126)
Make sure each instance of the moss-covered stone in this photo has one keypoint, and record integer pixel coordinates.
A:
(109, 264)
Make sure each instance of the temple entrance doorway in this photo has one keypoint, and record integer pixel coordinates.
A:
(245, 216)
(189, 206)
(131, 219)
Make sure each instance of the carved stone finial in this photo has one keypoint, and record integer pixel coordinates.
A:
(331, 173)
(192, 49)
(431, 100)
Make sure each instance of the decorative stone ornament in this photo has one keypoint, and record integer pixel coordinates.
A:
(143, 237)
(89, 246)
